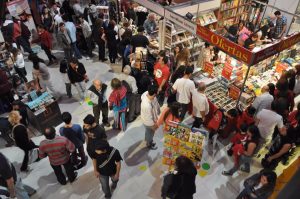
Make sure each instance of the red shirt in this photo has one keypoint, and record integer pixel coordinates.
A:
(245, 118)
(46, 39)
(17, 31)
(161, 73)
(239, 138)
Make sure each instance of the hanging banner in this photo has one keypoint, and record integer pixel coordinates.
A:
(20, 9)
(225, 45)
(181, 21)
(276, 48)
(155, 7)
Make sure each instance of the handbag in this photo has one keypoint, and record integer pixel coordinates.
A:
(33, 156)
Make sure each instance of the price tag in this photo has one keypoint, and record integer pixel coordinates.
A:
(239, 75)
(227, 71)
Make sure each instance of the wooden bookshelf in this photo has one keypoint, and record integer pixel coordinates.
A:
(232, 11)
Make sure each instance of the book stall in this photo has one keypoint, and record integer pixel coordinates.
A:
(180, 139)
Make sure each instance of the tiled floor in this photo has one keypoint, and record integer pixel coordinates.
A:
(141, 173)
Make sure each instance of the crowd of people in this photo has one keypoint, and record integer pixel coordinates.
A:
(270, 121)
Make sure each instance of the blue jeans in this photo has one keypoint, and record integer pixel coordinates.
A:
(20, 190)
(104, 181)
(76, 50)
(243, 161)
(149, 134)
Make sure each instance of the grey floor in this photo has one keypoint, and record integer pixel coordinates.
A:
(142, 171)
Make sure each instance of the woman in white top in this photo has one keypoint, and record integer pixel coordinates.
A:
(19, 63)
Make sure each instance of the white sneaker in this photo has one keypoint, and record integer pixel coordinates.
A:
(87, 58)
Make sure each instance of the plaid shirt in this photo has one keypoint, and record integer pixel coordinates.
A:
(280, 23)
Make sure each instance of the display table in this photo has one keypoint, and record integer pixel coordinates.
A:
(42, 110)
(45, 117)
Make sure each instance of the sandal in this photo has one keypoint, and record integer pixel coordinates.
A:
(226, 173)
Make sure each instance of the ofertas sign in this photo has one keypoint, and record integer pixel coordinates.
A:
(181, 21)
(225, 45)
(155, 7)
(276, 48)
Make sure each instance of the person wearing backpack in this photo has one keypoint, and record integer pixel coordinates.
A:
(75, 134)
(180, 184)
(129, 83)
(118, 103)
(63, 69)
(97, 95)
(107, 164)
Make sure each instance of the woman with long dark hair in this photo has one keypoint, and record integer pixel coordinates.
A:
(181, 183)
(248, 152)
(169, 114)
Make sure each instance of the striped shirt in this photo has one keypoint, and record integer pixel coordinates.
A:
(58, 150)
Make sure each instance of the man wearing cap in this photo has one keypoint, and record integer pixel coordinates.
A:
(107, 164)
(97, 95)
(93, 133)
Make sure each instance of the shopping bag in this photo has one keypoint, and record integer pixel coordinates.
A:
(33, 156)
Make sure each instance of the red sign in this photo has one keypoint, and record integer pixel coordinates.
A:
(225, 45)
(208, 67)
(276, 48)
(227, 71)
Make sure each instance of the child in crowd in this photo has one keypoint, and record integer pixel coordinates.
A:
(239, 138)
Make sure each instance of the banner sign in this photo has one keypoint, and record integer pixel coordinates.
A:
(225, 45)
(276, 48)
(155, 7)
(181, 21)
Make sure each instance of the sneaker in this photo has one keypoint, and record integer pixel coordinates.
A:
(226, 173)
(87, 58)
(152, 146)
(106, 124)
(75, 177)
(50, 63)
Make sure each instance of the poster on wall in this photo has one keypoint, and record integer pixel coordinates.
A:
(20, 9)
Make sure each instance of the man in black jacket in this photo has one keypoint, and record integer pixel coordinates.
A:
(97, 95)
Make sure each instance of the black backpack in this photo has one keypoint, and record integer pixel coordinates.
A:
(71, 135)
(126, 85)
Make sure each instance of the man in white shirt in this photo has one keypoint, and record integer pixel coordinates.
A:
(263, 101)
(184, 88)
(87, 33)
(150, 110)
(267, 121)
(134, 101)
(200, 105)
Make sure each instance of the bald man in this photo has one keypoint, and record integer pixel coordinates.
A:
(263, 101)
(200, 105)
(97, 94)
